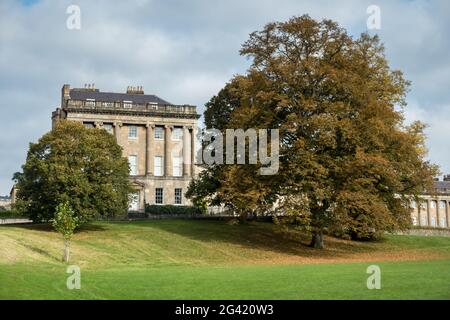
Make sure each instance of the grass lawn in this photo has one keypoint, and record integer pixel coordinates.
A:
(190, 259)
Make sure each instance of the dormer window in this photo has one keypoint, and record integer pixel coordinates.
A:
(108, 104)
(90, 103)
(128, 104)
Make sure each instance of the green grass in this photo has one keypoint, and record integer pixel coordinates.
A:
(186, 259)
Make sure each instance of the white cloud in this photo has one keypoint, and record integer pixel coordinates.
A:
(185, 52)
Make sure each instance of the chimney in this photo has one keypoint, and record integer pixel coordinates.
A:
(65, 94)
(447, 177)
(135, 90)
(89, 87)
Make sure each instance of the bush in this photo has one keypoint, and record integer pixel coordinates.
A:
(175, 210)
(5, 214)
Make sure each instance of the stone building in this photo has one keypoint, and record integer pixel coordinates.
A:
(157, 137)
(5, 202)
(434, 209)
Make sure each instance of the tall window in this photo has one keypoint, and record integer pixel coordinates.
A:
(90, 103)
(132, 160)
(442, 222)
(423, 221)
(158, 166)
(442, 204)
(413, 204)
(128, 104)
(433, 221)
(178, 196)
(132, 132)
(414, 221)
(159, 195)
(108, 127)
(177, 134)
(177, 163)
(159, 133)
(433, 204)
(133, 204)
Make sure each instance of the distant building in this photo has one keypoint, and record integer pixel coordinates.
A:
(433, 211)
(5, 202)
(12, 194)
(157, 137)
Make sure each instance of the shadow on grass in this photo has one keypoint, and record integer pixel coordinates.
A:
(260, 235)
(39, 251)
(47, 227)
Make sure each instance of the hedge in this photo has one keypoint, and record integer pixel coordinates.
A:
(172, 210)
(5, 214)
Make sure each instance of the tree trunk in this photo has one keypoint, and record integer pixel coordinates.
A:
(243, 217)
(66, 255)
(317, 240)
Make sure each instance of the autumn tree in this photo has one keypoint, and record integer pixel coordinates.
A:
(348, 163)
(75, 165)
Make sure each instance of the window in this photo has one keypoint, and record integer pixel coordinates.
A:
(423, 221)
(159, 196)
(128, 104)
(132, 132)
(178, 196)
(108, 104)
(132, 160)
(177, 134)
(88, 125)
(433, 221)
(108, 128)
(133, 204)
(159, 133)
(177, 166)
(414, 221)
(442, 204)
(442, 222)
(423, 205)
(433, 204)
(413, 204)
(159, 166)
(90, 103)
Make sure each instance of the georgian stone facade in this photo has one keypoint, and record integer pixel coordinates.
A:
(158, 138)
(434, 209)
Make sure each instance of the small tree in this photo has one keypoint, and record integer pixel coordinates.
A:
(65, 222)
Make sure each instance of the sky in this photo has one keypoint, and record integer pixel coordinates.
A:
(185, 51)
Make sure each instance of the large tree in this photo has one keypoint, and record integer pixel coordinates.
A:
(75, 165)
(348, 163)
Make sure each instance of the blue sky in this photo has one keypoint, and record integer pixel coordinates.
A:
(185, 51)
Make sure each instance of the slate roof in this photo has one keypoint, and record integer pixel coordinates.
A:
(77, 94)
(442, 185)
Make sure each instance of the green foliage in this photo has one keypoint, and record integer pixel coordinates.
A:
(76, 165)
(175, 210)
(5, 214)
(65, 220)
(348, 162)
